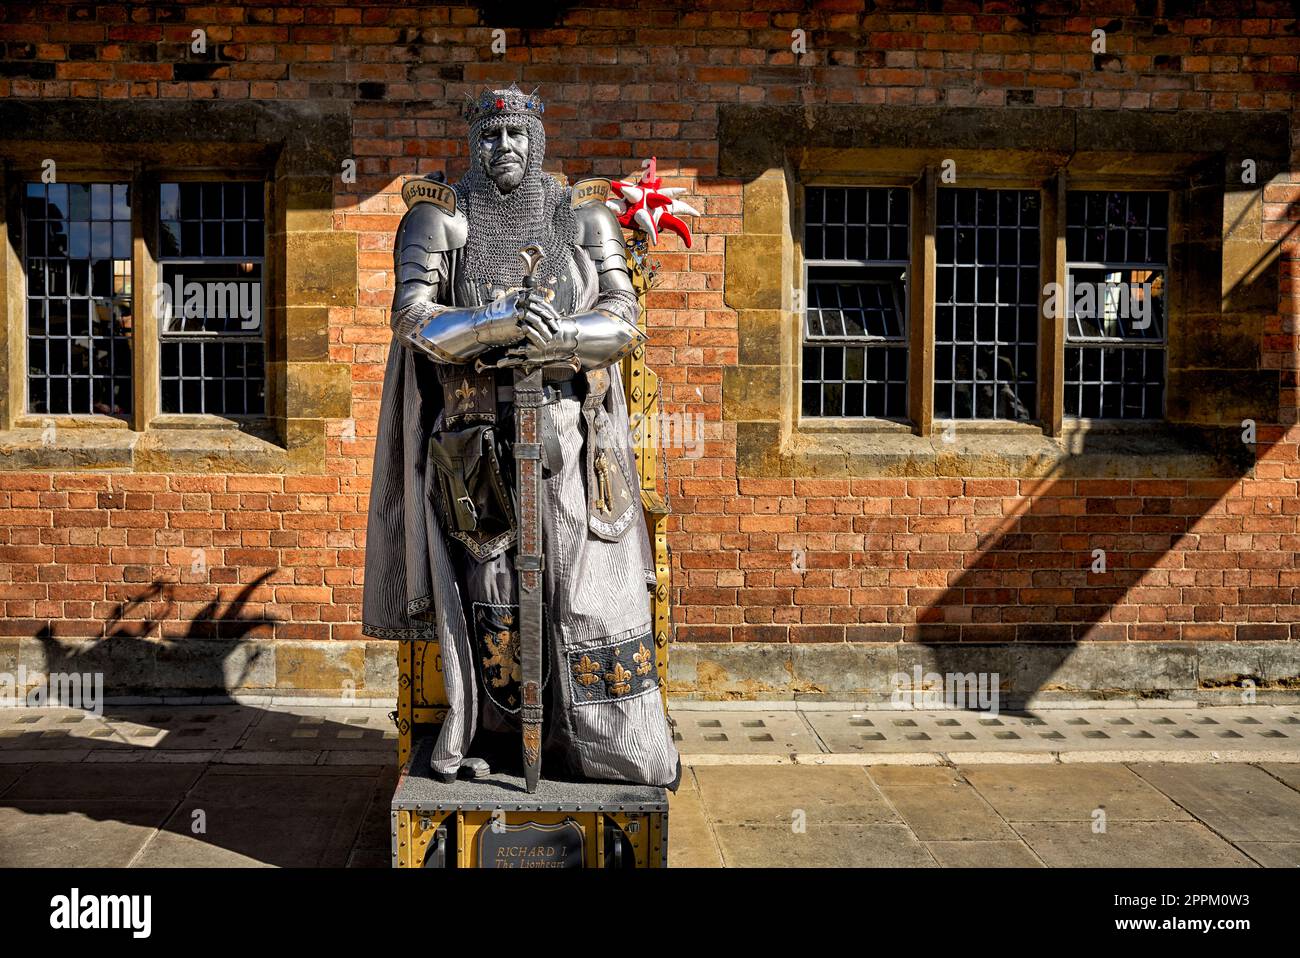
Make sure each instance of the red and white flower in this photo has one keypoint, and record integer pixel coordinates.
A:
(649, 206)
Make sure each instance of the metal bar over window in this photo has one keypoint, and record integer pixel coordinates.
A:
(988, 259)
(212, 238)
(1117, 271)
(77, 258)
(857, 255)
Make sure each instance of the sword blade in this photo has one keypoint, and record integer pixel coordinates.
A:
(528, 563)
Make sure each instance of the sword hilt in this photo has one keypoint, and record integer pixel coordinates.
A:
(532, 255)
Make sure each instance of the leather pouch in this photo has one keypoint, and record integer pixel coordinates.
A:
(471, 492)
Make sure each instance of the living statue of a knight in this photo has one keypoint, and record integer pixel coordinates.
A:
(442, 557)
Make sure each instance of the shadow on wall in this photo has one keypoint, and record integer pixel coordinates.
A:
(282, 814)
(210, 659)
(1092, 561)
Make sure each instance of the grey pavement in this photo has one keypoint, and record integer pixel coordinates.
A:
(309, 784)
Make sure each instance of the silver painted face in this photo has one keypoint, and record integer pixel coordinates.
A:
(503, 152)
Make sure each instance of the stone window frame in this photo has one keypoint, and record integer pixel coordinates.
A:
(777, 152)
(297, 150)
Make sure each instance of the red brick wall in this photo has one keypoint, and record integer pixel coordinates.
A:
(978, 558)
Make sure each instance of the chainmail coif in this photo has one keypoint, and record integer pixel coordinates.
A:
(501, 224)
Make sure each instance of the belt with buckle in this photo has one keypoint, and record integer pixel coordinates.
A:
(551, 392)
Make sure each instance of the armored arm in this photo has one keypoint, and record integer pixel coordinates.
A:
(423, 253)
(608, 332)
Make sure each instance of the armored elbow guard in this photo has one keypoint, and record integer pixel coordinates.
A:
(606, 334)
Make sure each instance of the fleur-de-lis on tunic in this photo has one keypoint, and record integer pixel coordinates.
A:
(619, 681)
(643, 659)
(465, 393)
(587, 671)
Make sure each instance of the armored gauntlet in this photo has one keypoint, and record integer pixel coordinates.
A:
(458, 334)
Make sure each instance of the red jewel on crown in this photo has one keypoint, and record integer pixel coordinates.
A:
(500, 103)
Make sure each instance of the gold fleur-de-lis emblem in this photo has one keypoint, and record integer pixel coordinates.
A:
(586, 671)
(619, 681)
(465, 393)
(644, 661)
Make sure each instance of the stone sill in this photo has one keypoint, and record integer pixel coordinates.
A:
(172, 443)
(1017, 450)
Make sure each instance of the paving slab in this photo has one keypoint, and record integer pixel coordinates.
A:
(150, 756)
(952, 812)
(277, 818)
(775, 795)
(690, 838)
(373, 846)
(168, 849)
(97, 783)
(177, 727)
(1273, 854)
(822, 846)
(70, 834)
(1130, 845)
(31, 756)
(741, 732)
(1240, 802)
(1061, 793)
(10, 774)
(982, 854)
(1288, 773)
(33, 729)
(315, 729)
(906, 775)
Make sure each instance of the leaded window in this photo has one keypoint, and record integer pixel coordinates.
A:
(77, 258)
(987, 254)
(1116, 263)
(210, 321)
(857, 255)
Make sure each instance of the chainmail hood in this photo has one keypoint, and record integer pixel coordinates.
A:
(501, 224)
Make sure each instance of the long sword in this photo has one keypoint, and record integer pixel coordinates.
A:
(528, 557)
